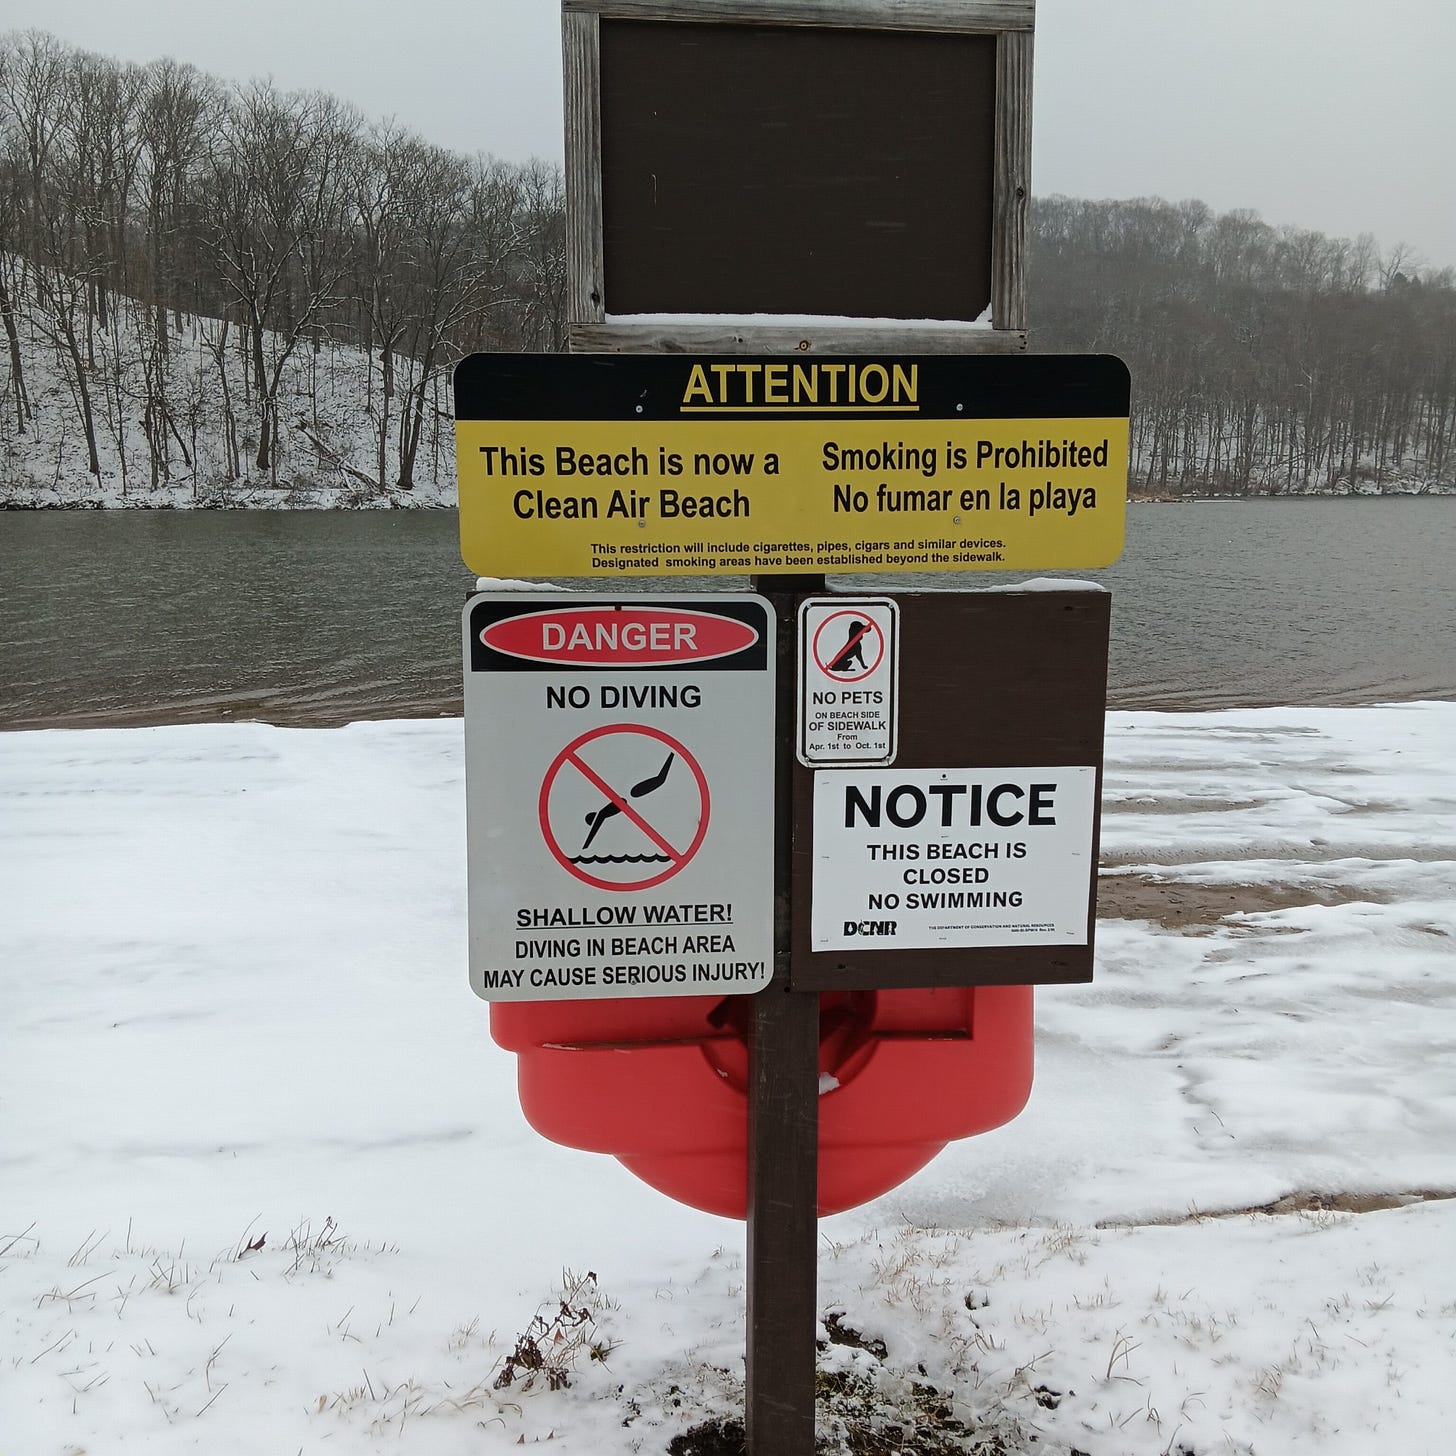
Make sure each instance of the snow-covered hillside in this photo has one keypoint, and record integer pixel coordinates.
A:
(200, 451)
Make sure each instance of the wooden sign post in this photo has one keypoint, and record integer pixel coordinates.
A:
(783, 1137)
(808, 177)
(963, 730)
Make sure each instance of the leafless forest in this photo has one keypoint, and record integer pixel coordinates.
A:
(1264, 360)
(189, 266)
(154, 202)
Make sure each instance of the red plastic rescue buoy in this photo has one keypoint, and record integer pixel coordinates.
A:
(660, 1083)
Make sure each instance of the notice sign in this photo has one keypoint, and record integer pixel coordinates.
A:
(619, 795)
(917, 858)
(614, 466)
(849, 675)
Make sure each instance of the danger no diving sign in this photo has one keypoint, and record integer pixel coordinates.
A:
(619, 795)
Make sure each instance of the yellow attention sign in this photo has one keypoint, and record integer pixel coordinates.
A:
(680, 466)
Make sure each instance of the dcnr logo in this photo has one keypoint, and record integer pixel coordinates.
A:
(870, 927)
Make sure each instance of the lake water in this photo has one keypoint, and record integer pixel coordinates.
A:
(323, 617)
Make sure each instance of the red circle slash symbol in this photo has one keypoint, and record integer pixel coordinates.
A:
(854, 649)
(623, 807)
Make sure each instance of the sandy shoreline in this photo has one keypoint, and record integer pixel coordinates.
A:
(1177, 905)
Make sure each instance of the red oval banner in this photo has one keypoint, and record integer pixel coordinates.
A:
(619, 636)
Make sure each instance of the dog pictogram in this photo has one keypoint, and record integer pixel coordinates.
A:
(848, 645)
(852, 654)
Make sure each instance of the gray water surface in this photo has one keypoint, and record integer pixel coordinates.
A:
(323, 617)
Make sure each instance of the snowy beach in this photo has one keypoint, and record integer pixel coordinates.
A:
(265, 1187)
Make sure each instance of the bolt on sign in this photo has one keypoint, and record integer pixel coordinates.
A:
(618, 466)
(619, 795)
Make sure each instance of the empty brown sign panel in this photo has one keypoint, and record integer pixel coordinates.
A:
(789, 170)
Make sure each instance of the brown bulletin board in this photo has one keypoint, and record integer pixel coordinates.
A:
(747, 169)
(987, 680)
(797, 175)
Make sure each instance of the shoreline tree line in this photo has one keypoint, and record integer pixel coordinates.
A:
(278, 224)
(143, 203)
(1264, 360)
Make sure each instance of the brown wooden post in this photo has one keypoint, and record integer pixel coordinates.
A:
(783, 1287)
(783, 1130)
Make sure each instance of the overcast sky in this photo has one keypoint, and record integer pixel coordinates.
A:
(1338, 115)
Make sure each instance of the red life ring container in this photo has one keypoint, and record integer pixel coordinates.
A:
(660, 1083)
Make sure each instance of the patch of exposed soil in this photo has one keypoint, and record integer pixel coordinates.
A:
(856, 1415)
(712, 1438)
(1310, 1203)
(1351, 1202)
(1176, 905)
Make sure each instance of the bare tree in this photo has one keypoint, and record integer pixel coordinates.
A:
(12, 195)
(175, 107)
(274, 190)
(383, 204)
(446, 270)
(43, 83)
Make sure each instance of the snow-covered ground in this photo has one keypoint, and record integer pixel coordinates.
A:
(264, 1186)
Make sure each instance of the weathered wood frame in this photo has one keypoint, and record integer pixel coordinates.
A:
(1012, 22)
